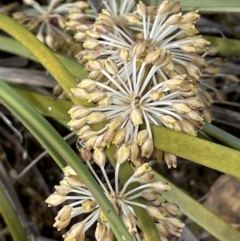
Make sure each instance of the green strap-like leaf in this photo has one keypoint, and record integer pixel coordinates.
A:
(9, 213)
(47, 106)
(61, 152)
(222, 136)
(226, 46)
(42, 53)
(199, 214)
(206, 6)
(206, 153)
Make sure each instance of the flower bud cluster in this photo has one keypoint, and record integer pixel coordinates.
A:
(81, 202)
(48, 21)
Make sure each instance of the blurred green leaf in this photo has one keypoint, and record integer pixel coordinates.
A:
(226, 46)
(203, 152)
(198, 213)
(206, 6)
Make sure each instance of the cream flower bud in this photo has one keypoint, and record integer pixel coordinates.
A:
(90, 43)
(79, 93)
(95, 96)
(130, 223)
(187, 47)
(94, 65)
(86, 154)
(188, 128)
(115, 123)
(68, 171)
(119, 136)
(136, 117)
(138, 48)
(194, 104)
(160, 186)
(142, 137)
(146, 178)
(207, 114)
(170, 159)
(78, 123)
(76, 232)
(149, 194)
(83, 129)
(193, 71)
(132, 18)
(107, 137)
(87, 84)
(174, 19)
(110, 66)
(141, 9)
(134, 152)
(194, 115)
(141, 170)
(79, 112)
(107, 100)
(122, 153)
(96, 117)
(154, 213)
(89, 144)
(101, 232)
(147, 147)
(159, 200)
(64, 213)
(63, 189)
(172, 209)
(88, 206)
(164, 7)
(167, 121)
(180, 108)
(55, 199)
(99, 157)
(124, 54)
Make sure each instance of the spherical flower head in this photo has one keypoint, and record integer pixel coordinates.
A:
(162, 28)
(81, 201)
(48, 21)
(130, 96)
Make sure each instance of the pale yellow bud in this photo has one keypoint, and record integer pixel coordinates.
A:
(74, 181)
(132, 18)
(79, 93)
(130, 223)
(96, 117)
(86, 154)
(95, 96)
(88, 134)
(172, 209)
(119, 136)
(90, 43)
(88, 206)
(187, 47)
(78, 123)
(207, 114)
(141, 170)
(50, 40)
(115, 123)
(64, 213)
(193, 71)
(159, 200)
(174, 19)
(110, 66)
(83, 129)
(232, 78)
(75, 233)
(160, 186)
(142, 137)
(147, 148)
(107, 137)
(55, 199)
(180, 108)
(78, 112)
(99, 157)
(87, 84)
(124, 54)
(155, 213)
(122, 153)
(164, 6)
(194, 104)
(149, 194)
(141, 9)
(62, 189)
(136, 117)
(134, 152)
(106, 101)
(89, 144)
(68, 171)
(190, 17)
(167, 121)
(138, 48)
(101, 232)
(194, 115)
(188, 128)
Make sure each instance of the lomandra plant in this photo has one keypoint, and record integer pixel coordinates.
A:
(141, 96)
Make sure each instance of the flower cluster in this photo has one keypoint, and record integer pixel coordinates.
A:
(48, 21)
(81, 201)
(144, 68)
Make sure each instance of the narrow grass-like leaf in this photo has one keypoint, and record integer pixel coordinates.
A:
(199, 214)
(206, 153)
(226, 46)
(222, 136)
(42, 53)
(60, 151)
(10, 216)
(10, 45)
(206, 6)
(45, 105)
